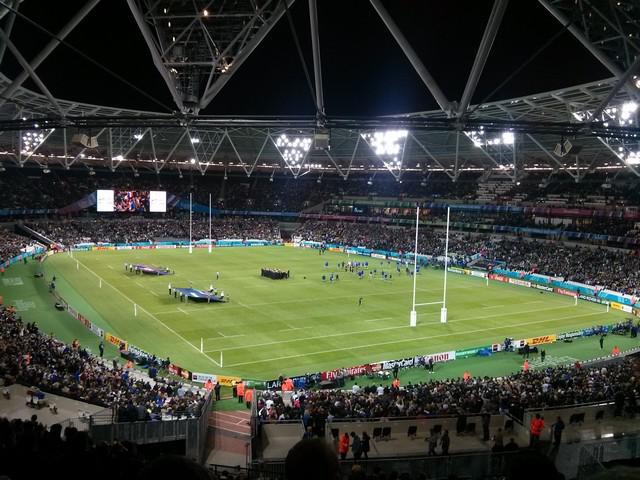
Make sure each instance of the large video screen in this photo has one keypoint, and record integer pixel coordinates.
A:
(131, 201)
(157, 201)
(105, 200)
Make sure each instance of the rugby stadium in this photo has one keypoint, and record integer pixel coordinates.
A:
(234, 244)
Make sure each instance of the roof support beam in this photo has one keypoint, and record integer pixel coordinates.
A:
(490, 32)
(27, 68)
(174, 148)
(335, 164)
(615, 154)
(595, 51)
(413, 58)
(9, 25)
(550, 155)
(490, 157)
(213, 90)
(353, 157)
(46, 51)
(616, 88)
(157, 60)
(430, 155)
(317, 64)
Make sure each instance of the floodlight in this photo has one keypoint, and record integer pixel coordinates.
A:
(192, 161)
(388, 145)
(508, 138)
(293, 150)
(481, 139)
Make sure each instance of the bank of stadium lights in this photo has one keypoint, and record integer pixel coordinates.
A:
(480, 138)
(622, 115)
(31, 140)
(293, 149)
(138, 136)
(195, 140)
(632, 157)
(388, 145)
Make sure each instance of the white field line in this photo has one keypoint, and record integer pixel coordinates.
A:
(222, 335)
(495, 306)
(110, 267)
(502, 327)
(378, 319)
(153, 293)
(141, 285)
(294, 328)
(253, 305)
(424, 324)
(184, 311)
(152, 316)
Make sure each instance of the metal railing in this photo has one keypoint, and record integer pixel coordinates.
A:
(461, 466)
(193, 430)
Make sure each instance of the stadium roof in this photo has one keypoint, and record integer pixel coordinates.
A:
(577, 129)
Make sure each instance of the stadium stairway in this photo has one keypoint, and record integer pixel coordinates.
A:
(229, 437)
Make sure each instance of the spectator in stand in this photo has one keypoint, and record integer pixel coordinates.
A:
(536, 427)
(602, 268)
(545, 387)
(12, 245)
(31, 358)
(139, 229)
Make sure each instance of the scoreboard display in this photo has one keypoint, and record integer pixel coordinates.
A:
(131, 201)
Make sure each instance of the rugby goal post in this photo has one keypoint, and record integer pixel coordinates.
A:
(413, 316)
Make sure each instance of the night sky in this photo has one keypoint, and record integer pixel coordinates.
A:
(364, 70)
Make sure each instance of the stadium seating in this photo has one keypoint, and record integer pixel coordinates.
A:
(53, 367)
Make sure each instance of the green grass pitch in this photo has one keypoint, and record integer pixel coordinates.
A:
(299, 325)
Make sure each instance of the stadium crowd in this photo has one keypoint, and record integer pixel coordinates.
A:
(31, 358)
(133, 229)
(540, 388)
(28, 450)
(11, 245)
(617, 270)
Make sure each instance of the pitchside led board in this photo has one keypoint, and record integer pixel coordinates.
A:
(131, 201)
